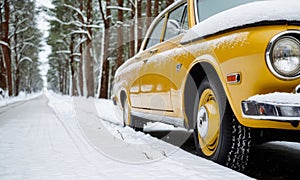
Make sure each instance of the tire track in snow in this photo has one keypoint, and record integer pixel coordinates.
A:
(72, 134)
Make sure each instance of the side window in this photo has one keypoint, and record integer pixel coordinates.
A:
(156, 34)
(185, 21)
(177, 22)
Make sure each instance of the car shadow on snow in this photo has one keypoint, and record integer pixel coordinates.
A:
(274, 161)
(267, 161)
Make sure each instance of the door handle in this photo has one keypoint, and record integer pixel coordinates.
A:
(153, 51)
(145, 60)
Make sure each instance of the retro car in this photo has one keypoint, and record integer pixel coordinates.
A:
(228, 70)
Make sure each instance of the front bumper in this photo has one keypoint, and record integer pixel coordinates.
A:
(275, 106)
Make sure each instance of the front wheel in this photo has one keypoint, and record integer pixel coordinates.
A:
(218, 135)
(129, 120)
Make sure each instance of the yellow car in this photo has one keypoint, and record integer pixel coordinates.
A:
(229, 70)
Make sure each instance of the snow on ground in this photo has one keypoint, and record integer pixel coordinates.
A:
(65, 138)
(21, 97)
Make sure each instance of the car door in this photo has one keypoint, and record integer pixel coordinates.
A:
(156, 85)
(133, 78)
(152, 81)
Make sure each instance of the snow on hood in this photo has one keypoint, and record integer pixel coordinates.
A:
(260, 11)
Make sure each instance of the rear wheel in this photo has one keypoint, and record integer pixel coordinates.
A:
(218, 135)
(129, 120)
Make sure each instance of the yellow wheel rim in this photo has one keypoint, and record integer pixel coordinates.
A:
(208, 123)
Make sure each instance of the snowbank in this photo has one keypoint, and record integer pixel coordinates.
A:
(121, 152)
(21, 97)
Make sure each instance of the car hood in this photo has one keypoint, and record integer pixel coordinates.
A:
(247, 14)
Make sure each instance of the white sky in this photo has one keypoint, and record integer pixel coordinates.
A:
(43, 25)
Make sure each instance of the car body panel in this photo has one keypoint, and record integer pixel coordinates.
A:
(157, 86)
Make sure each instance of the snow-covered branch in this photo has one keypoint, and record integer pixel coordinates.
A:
(18, 32)
(60, 41)
(80, 42)
(76, 23)
(119, 8)
(25, 44)
(132, 3)
(76, 54)
(29, 39)
(25, 59)
(78, 11)
(4, 44)
(63, 52)
(21, 22)
(81, 32)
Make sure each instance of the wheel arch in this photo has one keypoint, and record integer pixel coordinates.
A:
(197, 73)
(123, 97)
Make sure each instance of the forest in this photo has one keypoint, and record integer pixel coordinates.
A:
(19, 47)
(89, 40)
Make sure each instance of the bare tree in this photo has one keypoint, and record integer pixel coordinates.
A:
(80, 72)
(149, 13)
(132, 34)
(120, 35)
(105, 65)
(156, 7)
(169, 2)
(139, 23)
(5, 47)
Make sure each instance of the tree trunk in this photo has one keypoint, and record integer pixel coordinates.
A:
(169, 2)
(80, 73)
(105, 70)
(139, 17)
(156, 6)
(149, 13)
(105, 65)
(2, 73)
(132, 44)
(65, 78)
(61, 78)
(89, 58)
(73, 67)
(6, 50)
(120, 36)
(17, 65)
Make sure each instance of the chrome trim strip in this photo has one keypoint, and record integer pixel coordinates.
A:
(268, 53)
(277, 104)
(196, 11)
(178, 122)
(272, 118)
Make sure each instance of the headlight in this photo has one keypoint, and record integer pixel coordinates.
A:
(284, 57)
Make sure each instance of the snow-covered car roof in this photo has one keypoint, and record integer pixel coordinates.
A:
(247, 14)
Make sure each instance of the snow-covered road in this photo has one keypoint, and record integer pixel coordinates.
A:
(55, 137)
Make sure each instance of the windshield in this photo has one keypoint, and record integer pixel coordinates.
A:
(207, 8)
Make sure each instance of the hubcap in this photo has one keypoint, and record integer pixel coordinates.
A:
(202, 122)
(208, 123)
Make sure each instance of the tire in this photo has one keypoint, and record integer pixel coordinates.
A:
(218, 134)
(129, 120)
